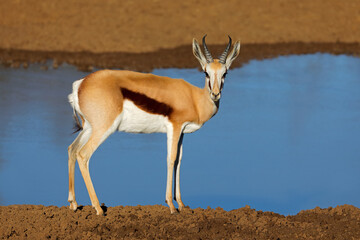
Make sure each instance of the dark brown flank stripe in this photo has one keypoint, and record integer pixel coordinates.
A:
(146, 103)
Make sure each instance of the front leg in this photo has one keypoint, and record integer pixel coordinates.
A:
(177, 194)
(173, 136)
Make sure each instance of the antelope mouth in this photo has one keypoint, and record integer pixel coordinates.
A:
(215, 96)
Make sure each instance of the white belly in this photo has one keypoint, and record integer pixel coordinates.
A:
(135, 120)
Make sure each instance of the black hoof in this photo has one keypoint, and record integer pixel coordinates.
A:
(104, 208)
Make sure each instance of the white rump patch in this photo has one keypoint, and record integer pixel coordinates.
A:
(73, 97)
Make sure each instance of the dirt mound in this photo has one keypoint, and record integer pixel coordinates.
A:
(156, 222)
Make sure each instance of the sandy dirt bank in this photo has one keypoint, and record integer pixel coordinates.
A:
(156, 222)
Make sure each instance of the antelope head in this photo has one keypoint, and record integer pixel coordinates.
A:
(215, 69)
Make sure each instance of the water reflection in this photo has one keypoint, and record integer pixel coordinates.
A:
(285, 139)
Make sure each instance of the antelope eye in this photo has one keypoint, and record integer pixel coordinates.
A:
(207, 75)
(224, 75)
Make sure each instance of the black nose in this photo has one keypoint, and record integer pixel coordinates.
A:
(215, 94)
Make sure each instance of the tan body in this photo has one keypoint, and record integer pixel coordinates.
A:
(114, 100)
(100, 94)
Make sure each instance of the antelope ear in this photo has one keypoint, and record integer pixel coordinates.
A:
(198, 54)
(234, 53)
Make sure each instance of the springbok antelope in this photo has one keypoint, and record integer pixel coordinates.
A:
(110, 100)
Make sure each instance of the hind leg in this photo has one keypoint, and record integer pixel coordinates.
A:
(98, 135)
(71, 166)
(83, 158)
(73, 148)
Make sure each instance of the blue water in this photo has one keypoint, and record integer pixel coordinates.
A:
(286, 138)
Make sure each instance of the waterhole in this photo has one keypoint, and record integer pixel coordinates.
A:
(286, 138)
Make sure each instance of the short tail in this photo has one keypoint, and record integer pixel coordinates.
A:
(74, 102)
(77, 125)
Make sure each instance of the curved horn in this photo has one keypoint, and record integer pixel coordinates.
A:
(208, 56)
(223, 56)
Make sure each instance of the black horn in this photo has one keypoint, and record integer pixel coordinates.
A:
(223, 56)
(208, 56)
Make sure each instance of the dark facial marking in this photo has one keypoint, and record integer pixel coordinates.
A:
(146, 103)
(222, 81)
(221, 85)
(206, 75)
(224, 75)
